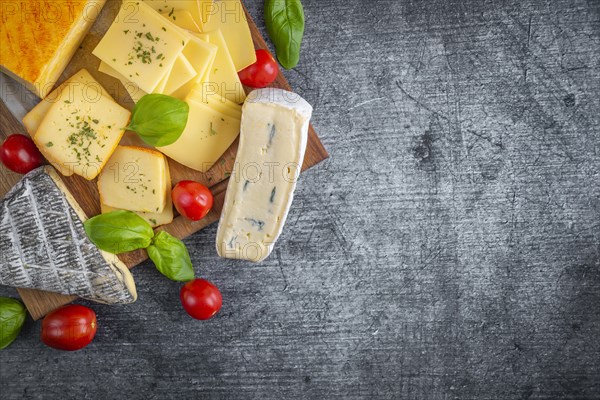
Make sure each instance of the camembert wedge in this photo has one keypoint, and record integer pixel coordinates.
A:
(273, 140)
(43, 244)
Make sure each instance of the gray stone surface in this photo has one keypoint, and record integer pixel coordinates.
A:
(448, 249)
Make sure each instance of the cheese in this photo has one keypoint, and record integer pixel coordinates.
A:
(229, 17)
(141, 47)
(32, 120)
(207, 135)
(44, 245)
(224, 78)
(134, 179)
(170, 7)
(183, 19)
(273, 139)
(39, 38)
(132, 89)
(216, 102)
(181, 73)
(81, 129)
(153, 218)
(201, 55)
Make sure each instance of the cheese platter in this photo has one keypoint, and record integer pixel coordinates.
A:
(194, 46)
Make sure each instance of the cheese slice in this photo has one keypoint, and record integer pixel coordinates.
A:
(40, 37)
(229, 17)
(223, 75)
(134, 179)
(81, 79)
(183, 19)
(170, 7)
(201, 55)
(216, 102)
(80, 130)
(273, 139)
(153, 218)
(181, 73)
(141, 45)
(132, 89)
(207, 135)
(44, 245)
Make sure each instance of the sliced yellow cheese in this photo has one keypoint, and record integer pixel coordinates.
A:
(201, 55)
(141, 45)
(183, 19)
(134, 179)
(207, 135)
(153, 218)
(230, 18)
(223, 75)
(171, 6)
(82, 78)
(206, 10)
(216, 102)
(132, 89)
(181, 73)
(80, 130)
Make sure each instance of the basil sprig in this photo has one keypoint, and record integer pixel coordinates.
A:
(120, 231)
(285, 25)
(12, 318)
(171, 257)
(159, 119)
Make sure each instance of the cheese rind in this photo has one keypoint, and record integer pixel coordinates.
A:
(134, 179)
(273, 137)
(43, 244)
(40, 38)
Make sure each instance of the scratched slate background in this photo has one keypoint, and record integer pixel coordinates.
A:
(448, 249)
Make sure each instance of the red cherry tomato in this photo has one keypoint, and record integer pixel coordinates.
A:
(69, 328)
(262, 72)
(192, 199)
(201, 299)
(19, 154)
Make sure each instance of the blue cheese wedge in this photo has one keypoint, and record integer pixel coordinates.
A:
(274, 131)
(43, 244)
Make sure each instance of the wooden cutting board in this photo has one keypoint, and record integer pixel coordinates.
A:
(39, 303)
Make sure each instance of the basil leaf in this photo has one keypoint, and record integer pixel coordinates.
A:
(285, 25)
(171, 257)
(159, 119)
(12, 318)
(119, 231)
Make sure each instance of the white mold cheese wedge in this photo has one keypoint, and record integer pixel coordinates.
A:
(273, 139)
(43, 244)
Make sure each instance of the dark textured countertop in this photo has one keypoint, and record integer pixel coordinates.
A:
(448, 249)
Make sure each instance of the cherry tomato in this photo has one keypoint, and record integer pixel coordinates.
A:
(192, 199)
(19, 154)
(69, 328)
(201, 299)
(262, 72)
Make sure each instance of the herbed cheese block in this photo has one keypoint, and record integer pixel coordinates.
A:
(43, 244)
(153, 218)
(206, 136)
(34, 118)
(40, 37)
(141, 45)
(273, 140)
(229, 17)
(80, 130)
(135, 179)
